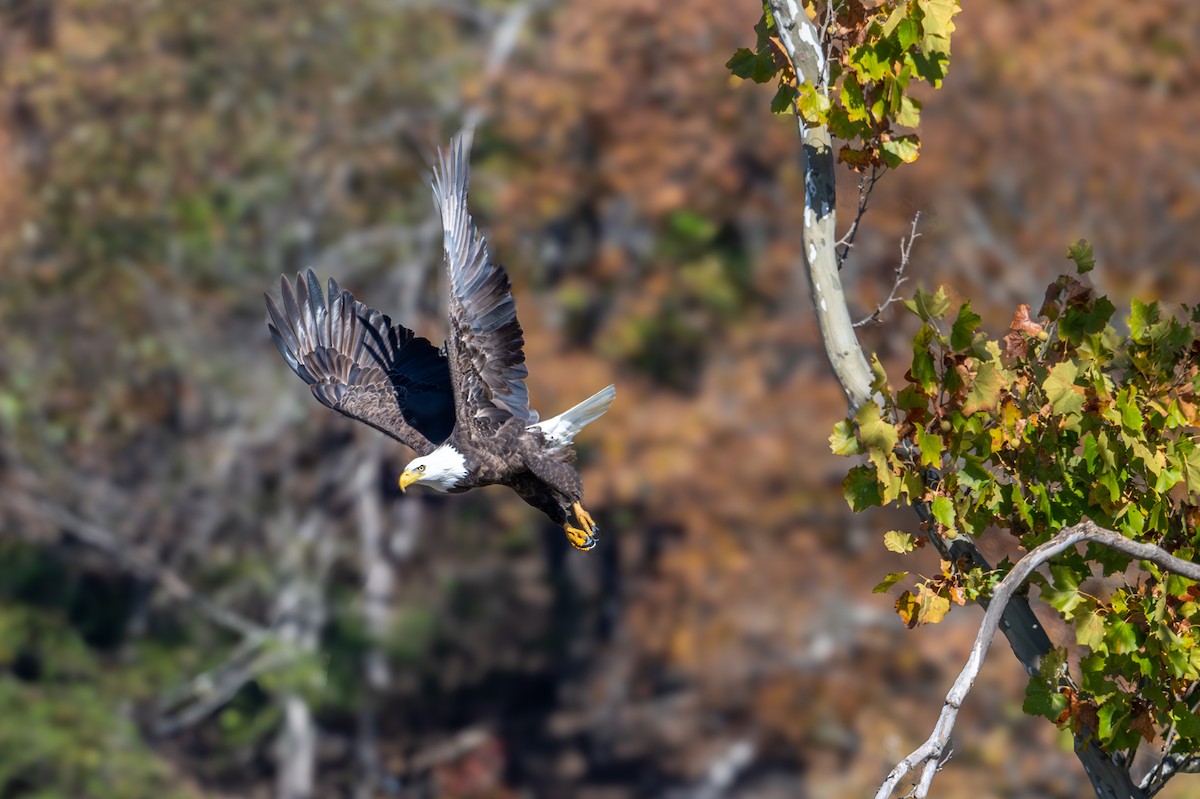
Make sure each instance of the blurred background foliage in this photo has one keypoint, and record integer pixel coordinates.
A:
(209, 585)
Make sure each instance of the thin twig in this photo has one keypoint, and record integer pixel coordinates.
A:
(866, 184)
(929, 755)
(905, 252)
(830, 15)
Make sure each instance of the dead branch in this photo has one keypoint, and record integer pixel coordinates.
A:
(866, 184)
(905, 252)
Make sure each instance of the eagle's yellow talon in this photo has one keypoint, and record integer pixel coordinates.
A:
(584, 518)
(584, 536)
(578, 538)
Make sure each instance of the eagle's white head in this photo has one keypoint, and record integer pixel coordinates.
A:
(440, 470)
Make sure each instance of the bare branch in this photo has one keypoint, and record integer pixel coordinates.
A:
(929, 755)
(905, 252)
(866, 185)
(1168, 768)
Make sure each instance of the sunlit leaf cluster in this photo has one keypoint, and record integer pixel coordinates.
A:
(872, 56)
(1068, 416)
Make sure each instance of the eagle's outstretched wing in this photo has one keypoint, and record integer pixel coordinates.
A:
(360, 364)
(485, 342)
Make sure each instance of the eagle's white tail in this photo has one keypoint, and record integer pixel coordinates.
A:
(561, 430)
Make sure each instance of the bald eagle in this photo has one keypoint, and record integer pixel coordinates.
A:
(463, 408)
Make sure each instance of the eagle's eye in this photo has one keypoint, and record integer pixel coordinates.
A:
(421, 469)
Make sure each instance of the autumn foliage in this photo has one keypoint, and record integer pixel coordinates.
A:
(163, 164)
(1062, 419)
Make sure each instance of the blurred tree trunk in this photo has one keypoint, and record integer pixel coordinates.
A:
(300, 612)
(297, 750)
(379, 587)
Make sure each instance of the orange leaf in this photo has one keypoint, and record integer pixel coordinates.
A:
(1023, 323)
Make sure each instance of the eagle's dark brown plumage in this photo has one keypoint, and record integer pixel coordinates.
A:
(465, 408)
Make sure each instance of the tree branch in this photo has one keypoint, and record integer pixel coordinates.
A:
(802, 42)
(866, 185)
(929, 755)
(905, 253)
(111, 544)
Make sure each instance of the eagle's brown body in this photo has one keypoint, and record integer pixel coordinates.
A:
(464, 408)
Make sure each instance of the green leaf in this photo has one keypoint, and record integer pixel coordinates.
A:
(873, 431)
(930, 67)
(962, 333)
(985, 389)
(1086, 319)
(890, 483)
(1122, 637)
(907, 31)
(843, 440)
(853, 100)
(937, 24)
(924, 370)
(861, 488)
(1142, 316)
(841, 126)
(870, 60)
(1108, 481)
(1183, 662)
(888, 582)
(879, 380)
(929, 307)
(1090, 450)
(942, 509)
(781, 103)
(1065, 397)
(1063, 590)
(1090, 630)
(898, 541)
(1081, 253)
(812, 104)
(1189, 464)
(931, 445)
(756, 66)
(1041, 701)
(909, 114)
(901, 150)
(1131, 416)
(1187, 721)
(1167, 478)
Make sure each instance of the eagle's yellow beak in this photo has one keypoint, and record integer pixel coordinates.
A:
(407, 479)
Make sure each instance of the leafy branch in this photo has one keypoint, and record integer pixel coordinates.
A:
(928, 757)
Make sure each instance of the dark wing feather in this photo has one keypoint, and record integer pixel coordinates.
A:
(485, 343)
(360, 364)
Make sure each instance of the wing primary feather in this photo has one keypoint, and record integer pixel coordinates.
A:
(485, 337)
(282, 330)
(358, 363)
(316, 300)
(308, 313)
(337, 319)
(293, 313)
